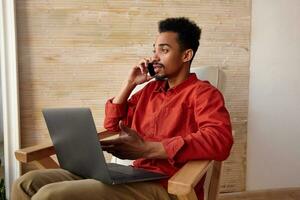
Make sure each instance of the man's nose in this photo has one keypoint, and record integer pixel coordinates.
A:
(155, 58)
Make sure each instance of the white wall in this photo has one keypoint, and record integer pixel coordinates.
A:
(274, 101)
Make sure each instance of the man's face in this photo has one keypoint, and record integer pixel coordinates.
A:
(167, 56)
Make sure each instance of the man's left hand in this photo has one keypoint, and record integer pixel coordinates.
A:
(129, 145)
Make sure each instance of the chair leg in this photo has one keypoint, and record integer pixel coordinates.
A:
(215, 181)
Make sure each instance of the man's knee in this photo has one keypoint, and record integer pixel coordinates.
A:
(26, 185)
(47, 193)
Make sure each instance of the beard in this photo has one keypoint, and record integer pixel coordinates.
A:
(160, 77)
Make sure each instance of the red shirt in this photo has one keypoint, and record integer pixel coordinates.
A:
(190, 120)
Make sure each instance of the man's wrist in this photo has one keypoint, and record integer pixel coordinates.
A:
(155, 150)
(124, 93)
(130, 84)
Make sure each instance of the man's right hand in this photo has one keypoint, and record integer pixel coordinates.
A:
(139, 73)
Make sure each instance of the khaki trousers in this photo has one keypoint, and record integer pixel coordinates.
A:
(59, 184)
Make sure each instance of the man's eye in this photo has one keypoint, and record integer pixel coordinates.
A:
(165, 50)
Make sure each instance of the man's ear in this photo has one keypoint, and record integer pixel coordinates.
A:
(188, 55)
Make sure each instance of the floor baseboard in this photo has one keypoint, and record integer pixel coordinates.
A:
(271, 194)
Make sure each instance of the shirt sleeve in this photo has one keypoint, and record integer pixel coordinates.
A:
(213, 139)
(117, 112)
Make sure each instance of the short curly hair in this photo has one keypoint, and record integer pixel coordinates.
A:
(188, 32)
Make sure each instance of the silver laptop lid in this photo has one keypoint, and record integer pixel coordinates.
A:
(76, 143)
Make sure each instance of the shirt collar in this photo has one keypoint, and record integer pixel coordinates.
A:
(191, 79)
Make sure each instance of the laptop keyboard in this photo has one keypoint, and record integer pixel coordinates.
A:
(120, 169)
(121, 173)
(117, 174)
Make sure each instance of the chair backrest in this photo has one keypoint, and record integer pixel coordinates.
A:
(210, 74)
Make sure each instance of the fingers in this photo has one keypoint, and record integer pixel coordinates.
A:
(149, 77)
(111, 150)
(143, 65)
(139, 73)
(123, 131)
(127, 133)
(110, 142)
(124, 128)
(121, 153)
(116, 150)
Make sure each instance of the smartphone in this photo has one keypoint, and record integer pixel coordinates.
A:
(151, 69)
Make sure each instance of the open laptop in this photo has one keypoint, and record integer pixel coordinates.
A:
(78, 149)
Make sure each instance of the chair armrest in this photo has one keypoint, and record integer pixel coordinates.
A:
(184, 181)
(35, 152)
(40, 151)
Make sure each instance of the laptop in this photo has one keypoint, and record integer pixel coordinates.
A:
(75, 139)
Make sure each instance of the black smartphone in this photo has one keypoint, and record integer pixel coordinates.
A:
(151, 69)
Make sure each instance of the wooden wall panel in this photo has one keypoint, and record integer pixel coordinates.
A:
(77, 53)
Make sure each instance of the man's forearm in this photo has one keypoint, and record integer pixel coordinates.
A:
(155, 150)
(124, 93)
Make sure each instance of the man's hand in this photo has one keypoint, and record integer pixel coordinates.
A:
(138, 74)
(129, 145)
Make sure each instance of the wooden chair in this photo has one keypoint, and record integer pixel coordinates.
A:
(180, 184)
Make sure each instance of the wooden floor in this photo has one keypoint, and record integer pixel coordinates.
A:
(275, 194)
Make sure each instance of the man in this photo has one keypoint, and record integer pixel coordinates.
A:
(172, 120)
